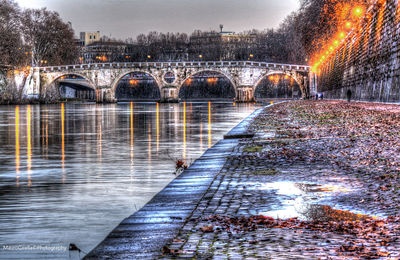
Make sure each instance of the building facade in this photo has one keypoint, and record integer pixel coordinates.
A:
(87, 38)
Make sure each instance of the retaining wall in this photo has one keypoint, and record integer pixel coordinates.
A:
(368, 63)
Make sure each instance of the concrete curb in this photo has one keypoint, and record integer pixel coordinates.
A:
(242, 130)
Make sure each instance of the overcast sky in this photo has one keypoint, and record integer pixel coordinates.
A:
(128, 18)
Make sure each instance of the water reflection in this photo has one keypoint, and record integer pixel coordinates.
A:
(209, 125)
(63, 142)
(302, 200)
(326, 213)
(158, 127)
(99, 122)
(17, 159)
(90, 166)
(184, 132)
(149, 142)
(29, 145)
(131, 128)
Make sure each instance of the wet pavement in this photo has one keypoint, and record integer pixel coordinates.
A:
(280, 194)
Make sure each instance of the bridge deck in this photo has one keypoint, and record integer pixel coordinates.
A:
(194, 64)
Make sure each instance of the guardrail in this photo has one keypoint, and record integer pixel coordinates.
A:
(160, 65)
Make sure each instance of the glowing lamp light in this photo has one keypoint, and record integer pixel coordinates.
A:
(348, 25)
(271, 78)
(358, 11)
(331, 48)
(212, 80)
(133, 82)
(336, 42)
(342, 35)
(286, 76)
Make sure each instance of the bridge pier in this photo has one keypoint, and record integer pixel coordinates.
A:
(105, 96)
(245, 94)
(169, 94)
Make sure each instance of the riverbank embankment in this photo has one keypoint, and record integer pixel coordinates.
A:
(312, 180)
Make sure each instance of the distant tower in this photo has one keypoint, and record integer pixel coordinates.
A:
(221, 26)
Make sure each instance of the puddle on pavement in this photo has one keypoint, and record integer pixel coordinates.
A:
(304, 201)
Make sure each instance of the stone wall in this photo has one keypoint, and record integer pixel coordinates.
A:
(368, 63)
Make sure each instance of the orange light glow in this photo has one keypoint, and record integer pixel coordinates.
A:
(212, 81)
(358, 11)
(63, 139)
(29, 145)
(134, 82)
(348, 25)
(342, 35)
(17, 156)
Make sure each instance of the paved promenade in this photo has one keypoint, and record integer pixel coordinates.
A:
(305, 180)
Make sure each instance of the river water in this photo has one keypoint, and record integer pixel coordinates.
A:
(70, 173)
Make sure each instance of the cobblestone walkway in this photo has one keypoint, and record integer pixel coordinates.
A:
(280, 175)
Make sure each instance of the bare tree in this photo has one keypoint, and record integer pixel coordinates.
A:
(51, 40)
(11, 51)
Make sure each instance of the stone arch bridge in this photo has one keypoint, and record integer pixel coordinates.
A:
(103, 78)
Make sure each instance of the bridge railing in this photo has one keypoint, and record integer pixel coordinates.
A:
(178, 64)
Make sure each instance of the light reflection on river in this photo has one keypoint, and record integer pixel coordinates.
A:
(71, 172)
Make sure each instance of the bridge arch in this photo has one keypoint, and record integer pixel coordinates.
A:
(116, 83)
(214, 73)
(195, 72)
(291, 74)
(52, 89)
